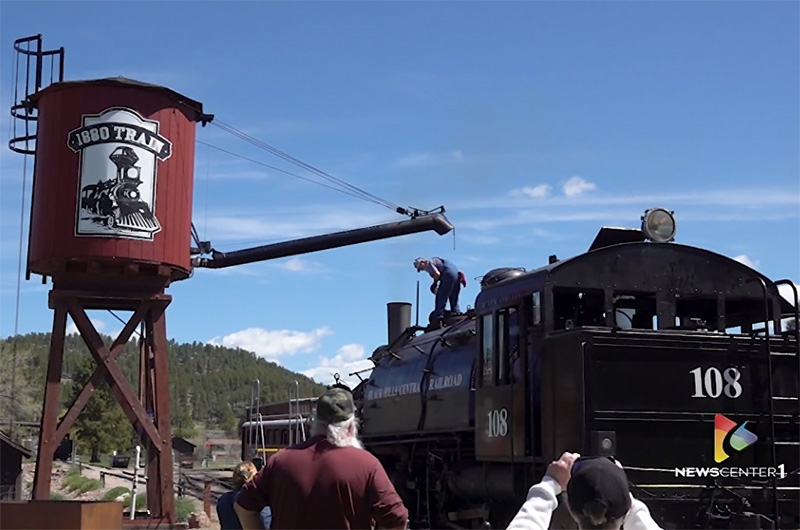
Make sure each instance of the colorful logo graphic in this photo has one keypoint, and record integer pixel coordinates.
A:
(740, 438)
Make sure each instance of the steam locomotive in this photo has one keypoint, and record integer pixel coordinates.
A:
(117, 202)
(669, 357)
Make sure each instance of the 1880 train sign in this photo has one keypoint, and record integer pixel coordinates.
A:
(117, 186)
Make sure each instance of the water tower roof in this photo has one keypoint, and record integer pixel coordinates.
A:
(191, 104)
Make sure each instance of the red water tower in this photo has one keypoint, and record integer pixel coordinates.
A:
(113, 181)
(111, 225)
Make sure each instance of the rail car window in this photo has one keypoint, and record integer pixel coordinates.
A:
(487, 349)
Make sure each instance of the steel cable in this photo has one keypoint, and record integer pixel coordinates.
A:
(277, 152)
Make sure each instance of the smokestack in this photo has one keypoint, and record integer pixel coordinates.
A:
(399, 317)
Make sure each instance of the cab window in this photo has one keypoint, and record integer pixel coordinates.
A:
(487, 350)
(500, 347)
(502, 351)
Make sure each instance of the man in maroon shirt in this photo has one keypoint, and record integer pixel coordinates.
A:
(329, 481)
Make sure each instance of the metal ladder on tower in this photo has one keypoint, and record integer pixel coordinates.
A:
(297, 430)
(256, 440)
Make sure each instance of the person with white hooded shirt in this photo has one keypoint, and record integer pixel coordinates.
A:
(598, 497)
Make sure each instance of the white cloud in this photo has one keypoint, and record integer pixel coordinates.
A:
(271, 344)
(349, 358)
(744, 259)
(543, 215)
(99, 325)
(577, 185)
(430, 159)
(750, 198)
(240, 226)
(535, 192)
(300, 265)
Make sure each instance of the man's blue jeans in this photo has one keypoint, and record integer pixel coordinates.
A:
(449, 289)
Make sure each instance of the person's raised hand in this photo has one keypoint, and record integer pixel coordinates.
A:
(560, 469)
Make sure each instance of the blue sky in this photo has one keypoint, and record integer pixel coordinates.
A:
(533, 123)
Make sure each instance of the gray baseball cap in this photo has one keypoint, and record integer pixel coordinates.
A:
(335, 405)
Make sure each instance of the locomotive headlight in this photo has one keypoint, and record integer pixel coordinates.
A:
(658, 225)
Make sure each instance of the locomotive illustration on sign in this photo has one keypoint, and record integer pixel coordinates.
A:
(119, 164)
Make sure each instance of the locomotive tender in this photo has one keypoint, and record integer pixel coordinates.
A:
(640, 348)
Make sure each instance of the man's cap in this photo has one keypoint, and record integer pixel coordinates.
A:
(335, 405)
(418, 263)
(599, 479)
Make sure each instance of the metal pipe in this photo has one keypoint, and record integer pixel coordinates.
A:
(417, 323)
(436, 222)
(291, 418)
(135, 482)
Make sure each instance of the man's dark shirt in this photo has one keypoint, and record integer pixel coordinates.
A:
(316, 485)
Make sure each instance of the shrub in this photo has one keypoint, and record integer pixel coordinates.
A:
(113, 493)
(183, 507)
(141, 500)
(76, 483)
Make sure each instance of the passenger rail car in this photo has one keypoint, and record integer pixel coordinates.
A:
(264, 437)
(669, 357)
(274, 426)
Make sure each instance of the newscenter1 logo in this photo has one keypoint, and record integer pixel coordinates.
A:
(729, 438)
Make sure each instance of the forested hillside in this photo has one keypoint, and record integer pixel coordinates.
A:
(210, 386)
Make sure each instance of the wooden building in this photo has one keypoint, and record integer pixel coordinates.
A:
(183, 450)
(11, 454)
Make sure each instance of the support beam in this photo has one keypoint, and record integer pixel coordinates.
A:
(119, 386)
(159, 377)
(149, 411)
(52, 396)
(97, 376)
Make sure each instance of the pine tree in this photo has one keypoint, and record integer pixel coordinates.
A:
(101, 425)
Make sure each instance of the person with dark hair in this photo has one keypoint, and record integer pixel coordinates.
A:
(598, 497)
(329, 481)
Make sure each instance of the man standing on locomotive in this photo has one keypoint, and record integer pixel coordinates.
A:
(447, 282)
(598, 497)
(329, 481)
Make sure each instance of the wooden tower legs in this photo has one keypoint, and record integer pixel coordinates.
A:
(148, 411)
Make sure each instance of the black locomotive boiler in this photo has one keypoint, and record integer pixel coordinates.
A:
(669, 357)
